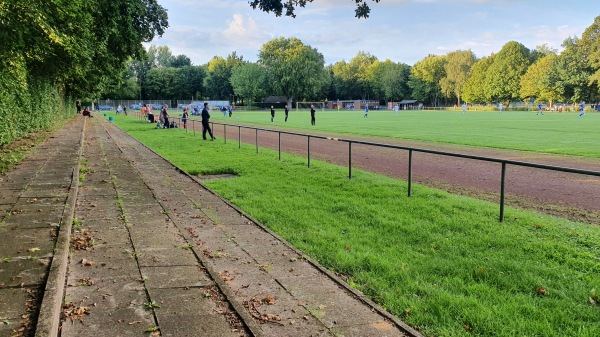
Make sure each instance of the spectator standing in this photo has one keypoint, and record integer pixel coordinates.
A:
(312, 114)
(78, 106)
(205, 126)
(125, 110)
(184, 117)
(230, 108)
(164, 116)
(464, 108)
(144, 111)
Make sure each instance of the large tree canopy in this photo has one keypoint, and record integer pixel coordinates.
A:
(297, 70)
(277, 6)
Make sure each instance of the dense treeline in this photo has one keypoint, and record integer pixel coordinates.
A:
(54, 52)
(515, 73)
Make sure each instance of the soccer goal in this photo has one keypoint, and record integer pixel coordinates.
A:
(306, 105)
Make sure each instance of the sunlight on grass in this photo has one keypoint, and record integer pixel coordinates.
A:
(441, 263)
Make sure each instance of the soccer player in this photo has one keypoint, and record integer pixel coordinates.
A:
(540, 110)
(312, 114)
(582, 109)
(287, 110)
(499, 108)
(396, 109)
(464, 108)
(272, 114)
(366, 111)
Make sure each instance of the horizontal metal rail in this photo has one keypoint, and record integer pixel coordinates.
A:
(411, 151)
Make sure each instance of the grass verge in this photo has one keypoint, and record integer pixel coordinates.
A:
(440, 262)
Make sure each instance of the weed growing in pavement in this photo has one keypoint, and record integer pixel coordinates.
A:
(443, 263)
(77, 224)
(151, 305)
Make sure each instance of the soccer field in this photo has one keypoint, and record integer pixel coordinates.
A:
(559, 133)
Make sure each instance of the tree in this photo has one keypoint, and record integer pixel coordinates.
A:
(475, 90)
(390, 80)
(458, 71)
(277, 6)
(590, 39)
(297, 70)
(216, 83)
(573, 71)
(181, 61)
(425, 77)
(503, 77)
(249, 81)
(538, 82)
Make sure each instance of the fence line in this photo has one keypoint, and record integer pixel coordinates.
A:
(411, 150)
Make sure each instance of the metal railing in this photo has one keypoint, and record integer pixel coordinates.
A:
(503, 162)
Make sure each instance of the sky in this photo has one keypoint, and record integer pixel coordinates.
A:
(400, 30)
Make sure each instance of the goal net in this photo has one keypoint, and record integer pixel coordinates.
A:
(306, 105)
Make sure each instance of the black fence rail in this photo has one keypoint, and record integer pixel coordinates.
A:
(411, 150)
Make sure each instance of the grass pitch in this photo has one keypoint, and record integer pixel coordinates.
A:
(559, 133)
(442, 263)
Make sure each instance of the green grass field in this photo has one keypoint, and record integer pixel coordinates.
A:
(440, 262)
(559, 133)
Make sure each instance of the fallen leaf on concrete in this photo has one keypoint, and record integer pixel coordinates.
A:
(134, 322)
(33, 250)
(87, 263)
(269, 299)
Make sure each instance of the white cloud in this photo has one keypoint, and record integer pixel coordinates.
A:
(243, 31)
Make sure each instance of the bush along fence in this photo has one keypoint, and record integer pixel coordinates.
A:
(503, 163)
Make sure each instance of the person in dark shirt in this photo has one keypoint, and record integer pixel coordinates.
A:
(78, 105)
(272, 114)
(205, 126)
(164, 116)
(184, 118)
(312, 114)
(286, 113)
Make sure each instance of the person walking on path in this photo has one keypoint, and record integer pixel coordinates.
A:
(78, 106)
(272, 114)
(287, 111)
(312, 115)
(184, 117)
(582, 109)
(540, 110)
(396, 109)
(366, 111)
(205, 126)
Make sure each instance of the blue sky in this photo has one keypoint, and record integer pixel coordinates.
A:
(401, 30)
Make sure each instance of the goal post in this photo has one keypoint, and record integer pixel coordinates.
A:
(306, 105)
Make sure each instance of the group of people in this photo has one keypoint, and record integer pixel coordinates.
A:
(85, 112)
(287, 113)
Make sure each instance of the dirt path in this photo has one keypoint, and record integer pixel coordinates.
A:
(573, 196)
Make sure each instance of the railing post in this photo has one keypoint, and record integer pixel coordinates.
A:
(239, 137)
(194, 127)
(308, 151)
(225, 133)
(409, 173)
(349, 160)
(256, 140)
(502, 189)
(279, 145)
